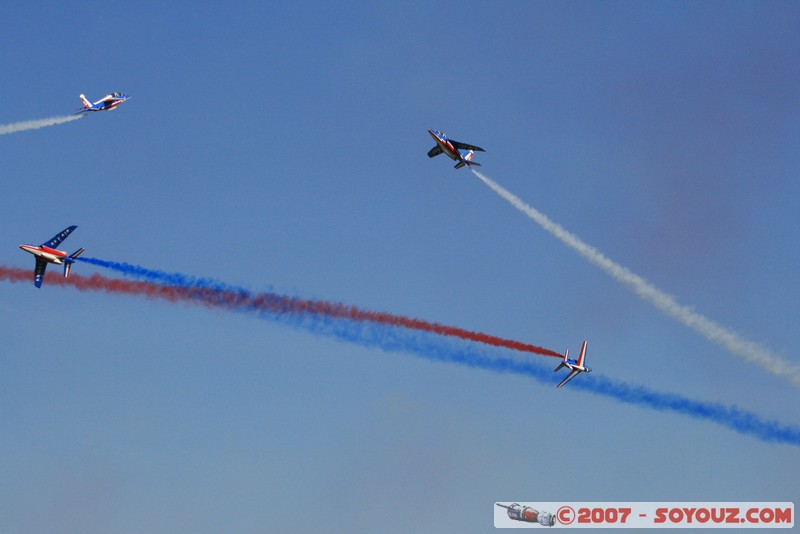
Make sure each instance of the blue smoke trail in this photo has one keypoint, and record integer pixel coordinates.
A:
(436, 348)
(150, 275)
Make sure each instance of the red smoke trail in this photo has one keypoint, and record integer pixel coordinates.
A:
(267, 302)
(745, 422)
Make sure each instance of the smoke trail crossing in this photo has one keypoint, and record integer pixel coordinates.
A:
(399, 338)
(36, 124)
(711, 330)
(273, 302)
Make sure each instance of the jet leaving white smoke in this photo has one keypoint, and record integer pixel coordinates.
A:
(35, 124)
(726, 338)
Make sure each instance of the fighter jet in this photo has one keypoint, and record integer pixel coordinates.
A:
(460, 152)
(576, 367)
(106, 103)
(47, 253)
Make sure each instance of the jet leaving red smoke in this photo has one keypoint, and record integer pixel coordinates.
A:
(266, 302)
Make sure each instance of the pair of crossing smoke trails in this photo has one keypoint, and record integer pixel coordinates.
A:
(722, 336)
(36, 124)
(393, 333)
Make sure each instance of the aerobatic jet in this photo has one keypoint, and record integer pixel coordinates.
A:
(106, 103)
(575, 367)
(460, 152)
(47, 253)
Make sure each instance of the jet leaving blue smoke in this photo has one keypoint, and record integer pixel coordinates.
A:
(396, 339)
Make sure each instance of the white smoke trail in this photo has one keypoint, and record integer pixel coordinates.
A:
(35, 124)
(722, 336)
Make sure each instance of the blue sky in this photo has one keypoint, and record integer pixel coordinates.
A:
(283, 147)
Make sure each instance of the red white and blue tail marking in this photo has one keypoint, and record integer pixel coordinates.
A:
(582, 356)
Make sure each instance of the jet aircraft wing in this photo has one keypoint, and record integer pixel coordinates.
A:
(38, 273)
(569, 377)
(466, 146)
(435, 151)
(582, 357)
(58, 238)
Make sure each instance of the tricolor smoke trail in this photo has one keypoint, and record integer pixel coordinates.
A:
(411, 336)
(711, 330)
(36, 124)
(275, 303)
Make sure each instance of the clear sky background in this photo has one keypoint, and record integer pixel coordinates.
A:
(283, 146)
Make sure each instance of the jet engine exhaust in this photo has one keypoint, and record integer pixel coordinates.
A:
(36, 124)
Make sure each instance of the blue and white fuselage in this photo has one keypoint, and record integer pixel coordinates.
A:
(106, 103)
(459, 152)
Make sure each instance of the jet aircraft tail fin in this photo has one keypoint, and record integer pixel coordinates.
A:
(77, 253)
(582, 357)
(470, 163)
(69, 260)
(467, 160)
(563, 363)
(86, 103)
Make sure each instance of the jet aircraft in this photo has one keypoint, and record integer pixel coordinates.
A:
(575, 367)
(47, 253)
(460, 152)
(106, 103)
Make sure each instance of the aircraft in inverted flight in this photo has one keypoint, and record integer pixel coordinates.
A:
(47, 253)
(460, 152)
(104, 104)
(575, 367)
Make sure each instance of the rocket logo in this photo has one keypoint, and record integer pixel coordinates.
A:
(527, 514)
